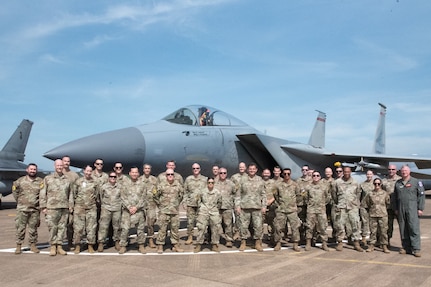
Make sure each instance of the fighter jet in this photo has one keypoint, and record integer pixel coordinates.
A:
(208, 136)
(12, 157)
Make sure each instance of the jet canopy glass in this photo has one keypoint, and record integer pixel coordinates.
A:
(197, 115)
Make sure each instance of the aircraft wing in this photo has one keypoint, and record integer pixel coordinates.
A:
(365, 160)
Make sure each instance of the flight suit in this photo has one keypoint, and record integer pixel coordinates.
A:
(408, 198)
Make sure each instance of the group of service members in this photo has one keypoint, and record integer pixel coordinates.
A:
(220, 207)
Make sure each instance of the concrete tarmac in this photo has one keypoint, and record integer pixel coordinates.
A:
(230, 267)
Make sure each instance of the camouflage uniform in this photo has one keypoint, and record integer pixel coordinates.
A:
(302, 204)
(316, 199)
(408, 198)
(366, 187)
(285, 194)
(72, 176)
(192, 187)
(151, 211)
(110, 198)
(376, 202)
(85, 195)
(270, 209)
(168, 197)
(251, 199)
(346, 196)
(388, 184)
(56, 196)
(209, 202)
(330, 207)
(161, 178)
(227, 191)
(26, 192)
(133, 194)
(237, 179)
(101, 178)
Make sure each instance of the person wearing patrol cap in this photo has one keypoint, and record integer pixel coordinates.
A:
(408, 204)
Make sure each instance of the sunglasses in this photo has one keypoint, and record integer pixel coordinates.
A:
(169, 174)
(118, 167)
(112, 176)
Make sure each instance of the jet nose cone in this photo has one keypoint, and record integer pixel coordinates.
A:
(124, 145)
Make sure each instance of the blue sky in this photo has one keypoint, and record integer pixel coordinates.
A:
(77, 68)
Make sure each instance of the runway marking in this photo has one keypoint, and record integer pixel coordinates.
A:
(375, 262)
(26, 250)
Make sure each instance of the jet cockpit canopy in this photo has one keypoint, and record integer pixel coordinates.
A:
(199, 115)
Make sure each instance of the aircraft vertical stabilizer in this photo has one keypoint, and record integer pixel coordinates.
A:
(14, 149)
(380, 138)
(317, 137)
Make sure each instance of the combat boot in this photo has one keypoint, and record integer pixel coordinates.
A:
(160, 249)
(258, 245)
(339, 246)
(77, 249)
(385, 249)
(296, 247)
(100, 247)
(122, 250)
(60, 250)
(357, 246)
(277, 246)
(243, 243)
(364, 241)
(18, 249)
(325, 246)
(189, 240)
(370, 248)
(151, 243)
(33, 248)
(197, 248)
(215, 248)
(402, 251)
(90, 248)
(229, 244)
(53, 250)
(417, 253)
(177, 248)
(117, 245)
(308, 245)
(141, 249)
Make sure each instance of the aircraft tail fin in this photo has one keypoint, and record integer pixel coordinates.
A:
(15, 147)
(317, 137)
(380, 138)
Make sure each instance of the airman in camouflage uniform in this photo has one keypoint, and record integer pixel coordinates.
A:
(346, 195)
(271, 206)
(301, 203)
(72, 176)
(227, 190)
(121, 178)
(55, 198)
(85, 197)
(150, 183)
(168, 195)
(317, 198)
(388, 184)
(26, 191)
(170, 165)
(236, 179)
(250, 204)
(98, 174)
(408, 203)
(376, 201)
(134, 203)
(193, 185)
(330, 208)
(209, 202)
(285, 194)
(366, 187)
(110, 198)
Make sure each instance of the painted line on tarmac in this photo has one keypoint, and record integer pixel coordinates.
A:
(26, 250)
(375, 262)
